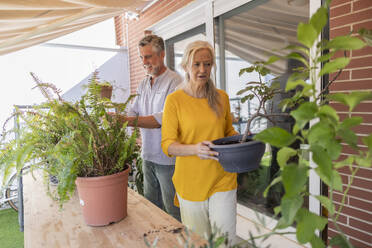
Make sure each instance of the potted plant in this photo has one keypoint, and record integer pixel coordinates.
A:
(102, 88)
(79, 143)
(240, 153)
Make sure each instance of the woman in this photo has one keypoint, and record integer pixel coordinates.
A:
(194, 115)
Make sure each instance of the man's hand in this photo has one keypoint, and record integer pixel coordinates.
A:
(204, 152)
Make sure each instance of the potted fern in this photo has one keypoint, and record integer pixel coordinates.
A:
(79, 143)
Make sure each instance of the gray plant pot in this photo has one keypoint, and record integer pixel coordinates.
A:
(239, 157)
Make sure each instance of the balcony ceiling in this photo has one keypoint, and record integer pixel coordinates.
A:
(24, 23)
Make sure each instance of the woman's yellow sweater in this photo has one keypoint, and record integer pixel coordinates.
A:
(190, 120)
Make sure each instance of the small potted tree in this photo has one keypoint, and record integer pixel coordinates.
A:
(80, 144)
(241, 153)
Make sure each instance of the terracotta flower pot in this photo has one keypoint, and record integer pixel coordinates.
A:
(238, 157)
(103, 199)
(106, 91)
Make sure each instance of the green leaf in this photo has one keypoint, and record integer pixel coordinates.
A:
(320, 134)
(293, 84)
(248, 70)
(307, 223)
(345, 132)
(306, 34)
(289, 207)
(273, 182)
(328, 111)
(333, 181)
(368, 141)
(346, 162)
(294, 178)
(298, 48)
(351, 100)
(323, 160)
(325, 57)
(304, 113)
(367, 35)
(317, 242)
(271, 60)
(219, 241)
(339, 240)
(345, 43)
(327, 203)
(364, 161)
(284, 154)
(275, 136)
(351, 122)
(323, 134)
(319, 19)
(299, 57)
(334, 65)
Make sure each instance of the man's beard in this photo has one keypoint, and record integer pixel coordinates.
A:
(154, 71)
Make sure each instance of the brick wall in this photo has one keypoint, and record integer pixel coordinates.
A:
(136, 29)
(120, 30)
(356, 218)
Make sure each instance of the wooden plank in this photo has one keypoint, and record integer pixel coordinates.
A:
(48, 226)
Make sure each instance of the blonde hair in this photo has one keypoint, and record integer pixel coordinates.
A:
(209, 90)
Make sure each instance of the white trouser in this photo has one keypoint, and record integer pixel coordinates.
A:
(219, 211)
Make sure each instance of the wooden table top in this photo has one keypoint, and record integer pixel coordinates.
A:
(45, 225)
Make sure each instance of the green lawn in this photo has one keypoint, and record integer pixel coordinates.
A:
(10, 235)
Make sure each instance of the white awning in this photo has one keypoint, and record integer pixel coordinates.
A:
(27, 23)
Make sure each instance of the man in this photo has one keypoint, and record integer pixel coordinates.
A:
(148, 107)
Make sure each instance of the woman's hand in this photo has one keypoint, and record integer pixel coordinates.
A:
(204, 152)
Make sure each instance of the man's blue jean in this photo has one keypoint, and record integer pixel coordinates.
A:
(159, 188)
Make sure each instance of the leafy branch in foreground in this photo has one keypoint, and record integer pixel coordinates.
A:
(325, 137)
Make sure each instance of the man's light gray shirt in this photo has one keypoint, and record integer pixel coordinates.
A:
(150, 101)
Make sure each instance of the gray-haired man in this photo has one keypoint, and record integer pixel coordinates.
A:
(148, 106)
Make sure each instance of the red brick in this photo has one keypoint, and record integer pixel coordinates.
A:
(366, 25)
(363, 129)
(361, 73)
(362, 52)
(360, 62)
(362, 172)
(359, 244)
(335, 3)
(341, 218)
(340, 10)
(362, 107)
(360, 193)
(337, 197)
(363, 205)
(334, 32)
(339, 54)
(353, 232)
(362, 4)
(351, 85)
(362, 183)
(351, 18)
(345, 75)
(367, 118)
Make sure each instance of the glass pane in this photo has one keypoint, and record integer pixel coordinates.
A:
(245, 35)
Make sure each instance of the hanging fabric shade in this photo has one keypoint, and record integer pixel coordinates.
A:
(27, 23)
(258, 33)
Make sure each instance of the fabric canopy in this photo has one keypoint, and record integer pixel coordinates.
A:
(260, 32)
(27, 23)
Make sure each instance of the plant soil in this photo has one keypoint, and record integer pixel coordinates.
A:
(233, 142)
